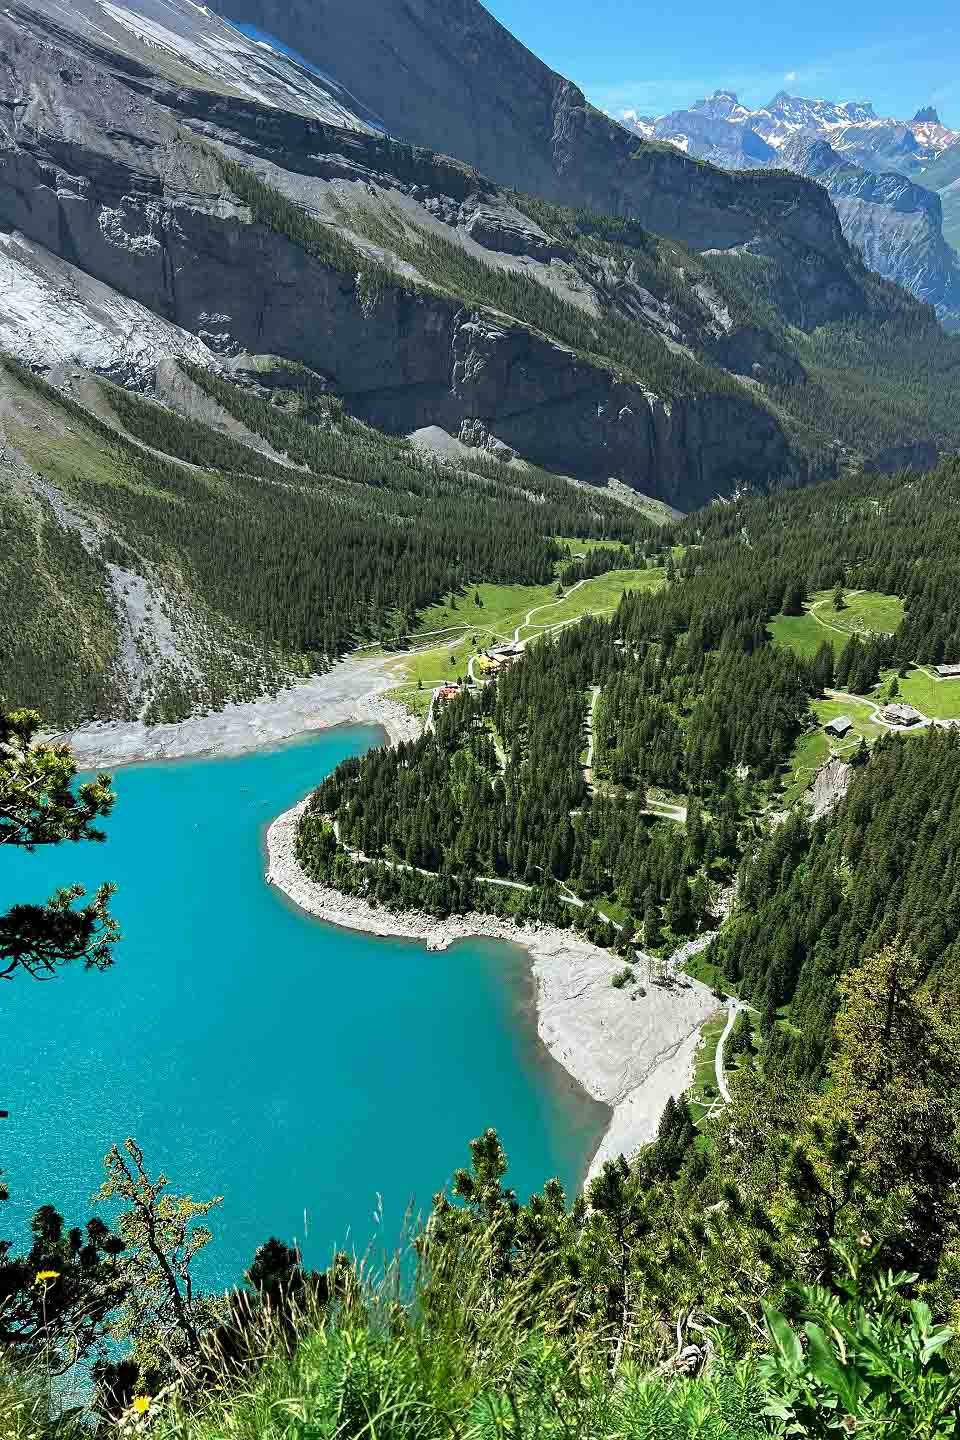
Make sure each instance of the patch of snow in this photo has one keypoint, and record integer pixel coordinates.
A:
(259, 69)
(52, 313)
(114, 225)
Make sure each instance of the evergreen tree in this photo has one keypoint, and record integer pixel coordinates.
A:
(823, 667)
(39, 806)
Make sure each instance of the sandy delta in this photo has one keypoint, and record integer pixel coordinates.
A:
(627, 1049)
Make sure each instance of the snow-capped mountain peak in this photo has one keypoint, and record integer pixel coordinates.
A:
(795, 110)
(722, 129)
(722, 105)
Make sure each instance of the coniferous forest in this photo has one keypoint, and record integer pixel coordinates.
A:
(691, 709)
(269, 566)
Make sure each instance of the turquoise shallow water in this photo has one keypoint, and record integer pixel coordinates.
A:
(298, 1069)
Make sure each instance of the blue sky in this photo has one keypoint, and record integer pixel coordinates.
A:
(654, 58)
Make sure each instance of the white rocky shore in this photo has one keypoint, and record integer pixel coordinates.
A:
(628, 1050)
(351, 691)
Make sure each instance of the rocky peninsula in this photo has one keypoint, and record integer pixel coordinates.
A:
(629, 1048)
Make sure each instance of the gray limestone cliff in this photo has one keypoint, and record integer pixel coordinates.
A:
(170, 186)
(115, 217)
(895, 223)
(446, 74)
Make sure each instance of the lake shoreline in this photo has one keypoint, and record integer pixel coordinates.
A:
(627, 1050)
(351, 692)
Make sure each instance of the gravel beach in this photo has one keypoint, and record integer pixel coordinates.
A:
(627, 1050)
(351, 691)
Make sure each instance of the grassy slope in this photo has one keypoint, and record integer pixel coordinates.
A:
(155, 517)
(471, 628)
(804, 634)
(940, 699)
(54, 614)
(119, 500)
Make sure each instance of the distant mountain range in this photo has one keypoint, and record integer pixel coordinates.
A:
(895, 183)
(853, 129)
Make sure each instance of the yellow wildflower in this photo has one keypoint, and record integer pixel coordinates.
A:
(44, 1275)
(141, 1404)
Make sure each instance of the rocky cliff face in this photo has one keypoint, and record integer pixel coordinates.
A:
(164, 192)
(896, 224)
(944, 176)
(445, 74)
(121, 245)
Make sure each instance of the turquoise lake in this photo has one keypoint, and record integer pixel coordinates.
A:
(298, 1069)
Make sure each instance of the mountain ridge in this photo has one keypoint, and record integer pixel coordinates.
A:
(336, 290)
(897, 224)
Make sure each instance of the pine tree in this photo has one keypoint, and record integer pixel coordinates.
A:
(652, 933)
(823, 667)
(793, 598)
(38, 806)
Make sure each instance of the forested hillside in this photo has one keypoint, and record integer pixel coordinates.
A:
(814, 901)
(256, 569)
(571, 774)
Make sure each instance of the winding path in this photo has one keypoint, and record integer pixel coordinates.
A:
(666, 810)
(567, 896)
(826, 623)
(550, 605)
(588, 762)
(733, 1009)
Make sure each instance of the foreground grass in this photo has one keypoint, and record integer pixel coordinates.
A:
(364, 1382)
(456, 1366)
